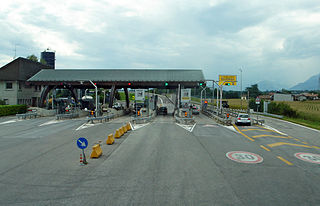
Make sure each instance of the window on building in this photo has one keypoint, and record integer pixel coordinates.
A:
(8, 85)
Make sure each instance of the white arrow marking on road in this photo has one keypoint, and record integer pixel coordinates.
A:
(189, 128)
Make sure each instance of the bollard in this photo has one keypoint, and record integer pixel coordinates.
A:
(110, 139)
(96, 151)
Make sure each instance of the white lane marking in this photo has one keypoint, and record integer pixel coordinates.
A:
(10, 121)
(230, 128)
(271, 128)
(189, 128)
(51, 122)
(297, 125)
(210, 125)
(138, 126)
(161, 100)
(85, 125)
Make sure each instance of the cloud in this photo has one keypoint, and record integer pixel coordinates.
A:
(269, 39)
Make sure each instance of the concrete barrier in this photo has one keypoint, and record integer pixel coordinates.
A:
(24, 116)
(121, 131)
(96, 151)
(110, 139)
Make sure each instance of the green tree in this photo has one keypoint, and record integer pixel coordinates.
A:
(253, 90)
(33, 57)
(42, 61)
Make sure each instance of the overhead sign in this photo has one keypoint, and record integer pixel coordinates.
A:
(229, 80)
(82, 143)
(139, 94)
(244, 157)
(185, 95)
(308, 157)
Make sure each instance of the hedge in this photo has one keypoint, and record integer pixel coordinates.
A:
(6, 110)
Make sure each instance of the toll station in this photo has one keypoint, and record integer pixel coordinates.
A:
(114, 79)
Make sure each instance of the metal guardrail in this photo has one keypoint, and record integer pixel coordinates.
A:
(218, 118)
(24, 116)
(105, 118)
(67, 116)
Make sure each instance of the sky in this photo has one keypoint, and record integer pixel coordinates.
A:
(276, 40)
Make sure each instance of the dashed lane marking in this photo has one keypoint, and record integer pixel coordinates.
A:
(263, 147)
(246, 136)
(290, 144)
(267, 135)
(284, 160)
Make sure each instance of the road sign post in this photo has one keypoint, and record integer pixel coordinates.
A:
(82, 143)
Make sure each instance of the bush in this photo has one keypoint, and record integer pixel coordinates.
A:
(6, 110)
(254, 106)
(282, 109)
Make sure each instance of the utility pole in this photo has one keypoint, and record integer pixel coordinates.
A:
(241, 87)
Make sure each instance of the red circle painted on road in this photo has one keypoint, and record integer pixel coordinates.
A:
(244, 157)
(308, 157)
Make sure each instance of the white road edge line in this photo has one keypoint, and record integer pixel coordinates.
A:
(271, 128)
(297, 125)
(193, 127)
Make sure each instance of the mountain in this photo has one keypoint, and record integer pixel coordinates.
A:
(268, 85)
(311, 84)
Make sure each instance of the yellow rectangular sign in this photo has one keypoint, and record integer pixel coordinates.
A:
(229, 80)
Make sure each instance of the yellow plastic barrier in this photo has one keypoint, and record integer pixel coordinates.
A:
(110, 139)
(96, 151)
(128, 127)
(121, 131)
(117, 134)
(124, 128)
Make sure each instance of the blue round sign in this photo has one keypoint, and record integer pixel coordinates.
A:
(82, 143)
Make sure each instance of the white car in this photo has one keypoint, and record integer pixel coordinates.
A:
(243, 118)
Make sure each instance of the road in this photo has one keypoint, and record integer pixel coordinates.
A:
(158, 163)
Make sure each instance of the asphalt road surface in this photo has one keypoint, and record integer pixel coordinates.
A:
(159, 163)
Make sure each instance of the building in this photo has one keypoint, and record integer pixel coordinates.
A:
(306, 96)
(13, 86)
(282, 97)
(49, 57)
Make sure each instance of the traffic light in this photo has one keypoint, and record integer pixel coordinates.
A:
(129, 83)
(200, 83)
(227, 83)
(166, 84)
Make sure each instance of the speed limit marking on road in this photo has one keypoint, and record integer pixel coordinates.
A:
(308, 157)
(244, 157)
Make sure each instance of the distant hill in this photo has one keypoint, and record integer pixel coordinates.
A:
(311, 84)
(268, 85)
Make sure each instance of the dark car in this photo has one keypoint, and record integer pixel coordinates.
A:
(162, 110)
